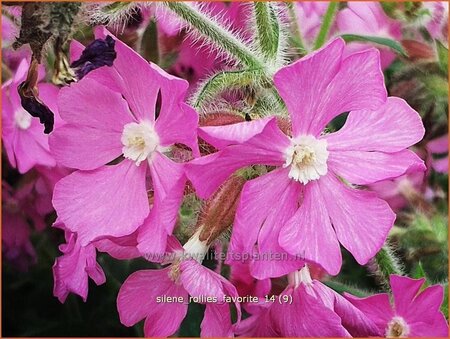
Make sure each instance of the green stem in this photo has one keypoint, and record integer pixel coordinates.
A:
(225, 80)
(210, 29)
(328, 20)
(267, 29)
(296, 38)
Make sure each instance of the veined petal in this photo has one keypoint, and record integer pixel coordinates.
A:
(102, 109)
(222, 136)
(361, 220)
(265, 204)
(109, 201)
(303, 83)
(322, 85)
(391, 128)
(376, 307)
(307, 316)
(266, 148)
(84, 147)
(404, 290)
(140, 81)
(168, 182)
(177, 122)
(71, 270)
(137, 300)
(309, 232)
(362, 168)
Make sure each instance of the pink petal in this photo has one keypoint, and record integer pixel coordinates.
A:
(177, 122)
(168, 182)
(316, 319)
(426, 306)
(72, 269)
(119, 248)
(208, 173)
(31, 148)
(200, 281)
(217, 319)
(362, 168)
(222, 136)
(85, 147)
(354, 320)
(265, 204)
(376, 307)
(361, 220)
(380, 130)
(321, 85)
(103, 109)
(109, 201)
(139, 81)
(404, 290)
(309, 232)
(137, 300)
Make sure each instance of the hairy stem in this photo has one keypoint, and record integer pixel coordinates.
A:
(386, 263)
(223, 81)
(267, 29)
(224, 39)
(328, 20)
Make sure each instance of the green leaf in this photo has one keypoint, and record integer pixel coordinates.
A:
(443, 56)
(392, 44)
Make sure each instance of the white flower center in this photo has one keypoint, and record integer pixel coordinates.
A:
(139, 141)
(397, 328)
(22, 119)
(307, 158)
(194, 248)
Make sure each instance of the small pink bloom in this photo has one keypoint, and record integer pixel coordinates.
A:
(25, 143)
(111, 114)
(412, 314)
(141, 295)
(368, 18)
(372, 146)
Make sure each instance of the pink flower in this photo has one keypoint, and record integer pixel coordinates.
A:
(72, 270)
(25, 143)
(312, 168)
(413, 314)
(307, 308)
(114, 115)
(145, 294)
(368, 18)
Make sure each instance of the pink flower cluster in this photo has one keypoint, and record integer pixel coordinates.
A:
(125, 152)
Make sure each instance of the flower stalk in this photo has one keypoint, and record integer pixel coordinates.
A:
(222, 38)
(328, 20)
